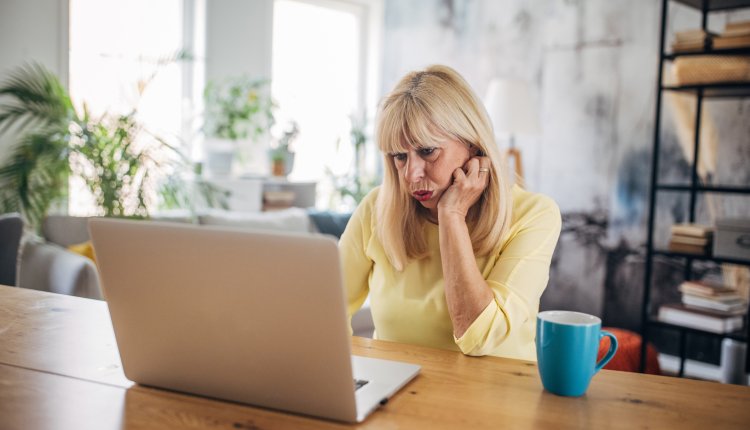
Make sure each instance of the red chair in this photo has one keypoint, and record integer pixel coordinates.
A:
(628, 356)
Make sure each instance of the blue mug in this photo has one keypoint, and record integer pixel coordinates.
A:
(566, 347)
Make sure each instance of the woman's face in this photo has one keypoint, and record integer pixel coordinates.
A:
(426, 172)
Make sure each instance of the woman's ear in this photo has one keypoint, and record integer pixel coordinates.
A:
(478, 152)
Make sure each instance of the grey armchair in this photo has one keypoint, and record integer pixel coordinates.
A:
(47, 265)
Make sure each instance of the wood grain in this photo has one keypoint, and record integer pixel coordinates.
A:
(59, 334)
(44, 386)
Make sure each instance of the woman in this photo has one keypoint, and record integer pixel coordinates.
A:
(451, 255)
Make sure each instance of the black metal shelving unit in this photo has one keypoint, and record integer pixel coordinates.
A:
(719, 90)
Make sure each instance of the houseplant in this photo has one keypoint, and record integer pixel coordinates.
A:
(354, 186)
(282, 155)
(39, 111)
(237, 109)
(110, 153)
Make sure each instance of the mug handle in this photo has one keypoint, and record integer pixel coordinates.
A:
(610, 353)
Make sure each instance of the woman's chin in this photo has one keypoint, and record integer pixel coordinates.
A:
(428, 204)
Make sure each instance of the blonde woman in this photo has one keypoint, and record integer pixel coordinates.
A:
(450, 253)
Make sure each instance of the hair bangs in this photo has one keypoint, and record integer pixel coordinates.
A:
(421, 130)
(407, 122)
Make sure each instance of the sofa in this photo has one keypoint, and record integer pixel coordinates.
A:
(49, 264)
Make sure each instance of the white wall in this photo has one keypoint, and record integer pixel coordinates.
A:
(238, 38)
(32, 30)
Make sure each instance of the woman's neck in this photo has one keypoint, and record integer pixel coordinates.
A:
(429, 215)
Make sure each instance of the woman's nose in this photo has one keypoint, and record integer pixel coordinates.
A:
(414, 171)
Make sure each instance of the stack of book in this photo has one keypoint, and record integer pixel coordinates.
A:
(691, 40)
(691, 238)
(706, 306)
(714, 296)
(735, 35)
(277, 200)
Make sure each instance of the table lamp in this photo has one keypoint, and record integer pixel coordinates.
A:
(513, 111)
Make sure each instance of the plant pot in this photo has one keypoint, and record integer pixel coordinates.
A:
(282, 166)
(220, 156)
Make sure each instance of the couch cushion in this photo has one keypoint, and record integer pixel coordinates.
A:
(85, 249)
(48, 267)
(291, 220)
(65, 230)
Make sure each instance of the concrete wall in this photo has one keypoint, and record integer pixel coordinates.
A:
(593, 66)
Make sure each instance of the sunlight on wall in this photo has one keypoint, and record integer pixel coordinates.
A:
(317, 64)
(120, 59)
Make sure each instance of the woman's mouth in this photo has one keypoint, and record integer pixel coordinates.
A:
(422, 195)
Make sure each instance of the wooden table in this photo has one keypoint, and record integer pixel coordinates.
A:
(59, 369)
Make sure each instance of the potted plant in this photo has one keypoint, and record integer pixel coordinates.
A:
(352, 187)
(236, 109)
(112, 154)
(282, 157)
(34, 176)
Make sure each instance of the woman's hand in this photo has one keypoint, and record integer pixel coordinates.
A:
(469, 182)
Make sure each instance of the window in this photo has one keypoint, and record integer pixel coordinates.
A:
(323, 76)
(122, 56)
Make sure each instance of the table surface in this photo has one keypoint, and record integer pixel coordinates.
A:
(59, 369)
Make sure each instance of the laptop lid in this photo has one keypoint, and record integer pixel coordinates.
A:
(251, 317)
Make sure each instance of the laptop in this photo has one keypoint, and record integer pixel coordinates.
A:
(246, 316)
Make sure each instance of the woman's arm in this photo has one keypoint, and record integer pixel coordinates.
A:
(466, 291)
(355, 264)
(517, 278)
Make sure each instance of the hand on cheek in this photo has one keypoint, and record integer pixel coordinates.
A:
(469, 181)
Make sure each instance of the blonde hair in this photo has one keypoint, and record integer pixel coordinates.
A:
(428, 106)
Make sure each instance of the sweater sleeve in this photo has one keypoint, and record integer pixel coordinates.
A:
(355, 263)
(517, 279)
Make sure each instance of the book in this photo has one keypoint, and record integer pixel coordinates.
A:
(694, 230)
(688, 46)
(690, 240)
(736, 32)
(725, 42)
(712, 321)
(694, 35)
(688, 249)
(734, 306)
(691, 40)
(739, 26)
(706, 288)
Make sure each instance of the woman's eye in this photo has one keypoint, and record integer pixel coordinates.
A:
(399, 157)
(426, 152)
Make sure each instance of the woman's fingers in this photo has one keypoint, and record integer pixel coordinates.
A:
(478, 167)
(471, 167)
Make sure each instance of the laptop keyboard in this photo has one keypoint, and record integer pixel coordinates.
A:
(359, 383)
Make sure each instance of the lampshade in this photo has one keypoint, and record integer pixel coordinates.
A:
(512, 107)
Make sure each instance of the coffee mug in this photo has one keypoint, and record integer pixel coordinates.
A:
(566, 347)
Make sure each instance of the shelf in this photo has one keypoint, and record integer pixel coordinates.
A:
(732, 51)
(726, 90)
(667, 253)
(704, 189)
(723, 90)
(736, 335)
(714, 5)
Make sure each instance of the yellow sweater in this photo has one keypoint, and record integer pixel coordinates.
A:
(410, 306)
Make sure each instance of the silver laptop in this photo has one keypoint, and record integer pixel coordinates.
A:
(251, 317)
